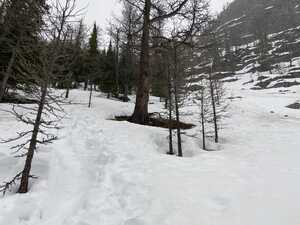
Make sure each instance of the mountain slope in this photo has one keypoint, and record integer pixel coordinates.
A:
(274, 15)
(257, 36)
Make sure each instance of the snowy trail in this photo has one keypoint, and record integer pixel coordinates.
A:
(114, 173)
(98, 179)
(94, 177)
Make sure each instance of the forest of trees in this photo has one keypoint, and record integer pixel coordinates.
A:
(153, 48)
(45, 46)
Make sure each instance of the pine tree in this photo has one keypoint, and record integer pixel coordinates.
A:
(128, 58)
(19, 27)
(108, 81)
(93, 55)
(93, 42)
(127, 72)
(76, 59)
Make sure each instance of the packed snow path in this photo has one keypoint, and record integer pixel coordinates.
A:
(103, 172)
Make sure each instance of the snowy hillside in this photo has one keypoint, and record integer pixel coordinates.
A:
(246, 15)
(278, 66)
(106, 172)
(258, 36)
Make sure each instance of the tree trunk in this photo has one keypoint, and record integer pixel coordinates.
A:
(8, 73)
(68, 92)
(171, 150)
(177, 104)
(291, 60)
(126, 91)
(140, 114)
(69, 83)
(129, 56)
(218, 94)
(178, 122)
(86, 85)
(213, 103)
(91, 93)
(117, 65)
(203, 120)
(32, 146)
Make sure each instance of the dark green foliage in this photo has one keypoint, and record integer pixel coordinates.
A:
(93, 42)
(108, 80)
(159, 81)
(20, 23)
(127, 72)
(91, 64)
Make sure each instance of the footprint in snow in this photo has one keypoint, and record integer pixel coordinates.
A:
(134, 221)
(220, 202)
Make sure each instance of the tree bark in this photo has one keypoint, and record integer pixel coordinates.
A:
(32, 146)
(140, 114)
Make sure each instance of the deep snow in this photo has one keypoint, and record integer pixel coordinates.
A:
(103, 172)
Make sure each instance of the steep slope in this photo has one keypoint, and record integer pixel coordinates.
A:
(273, 15)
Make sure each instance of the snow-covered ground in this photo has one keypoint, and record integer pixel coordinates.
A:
(103, 172)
